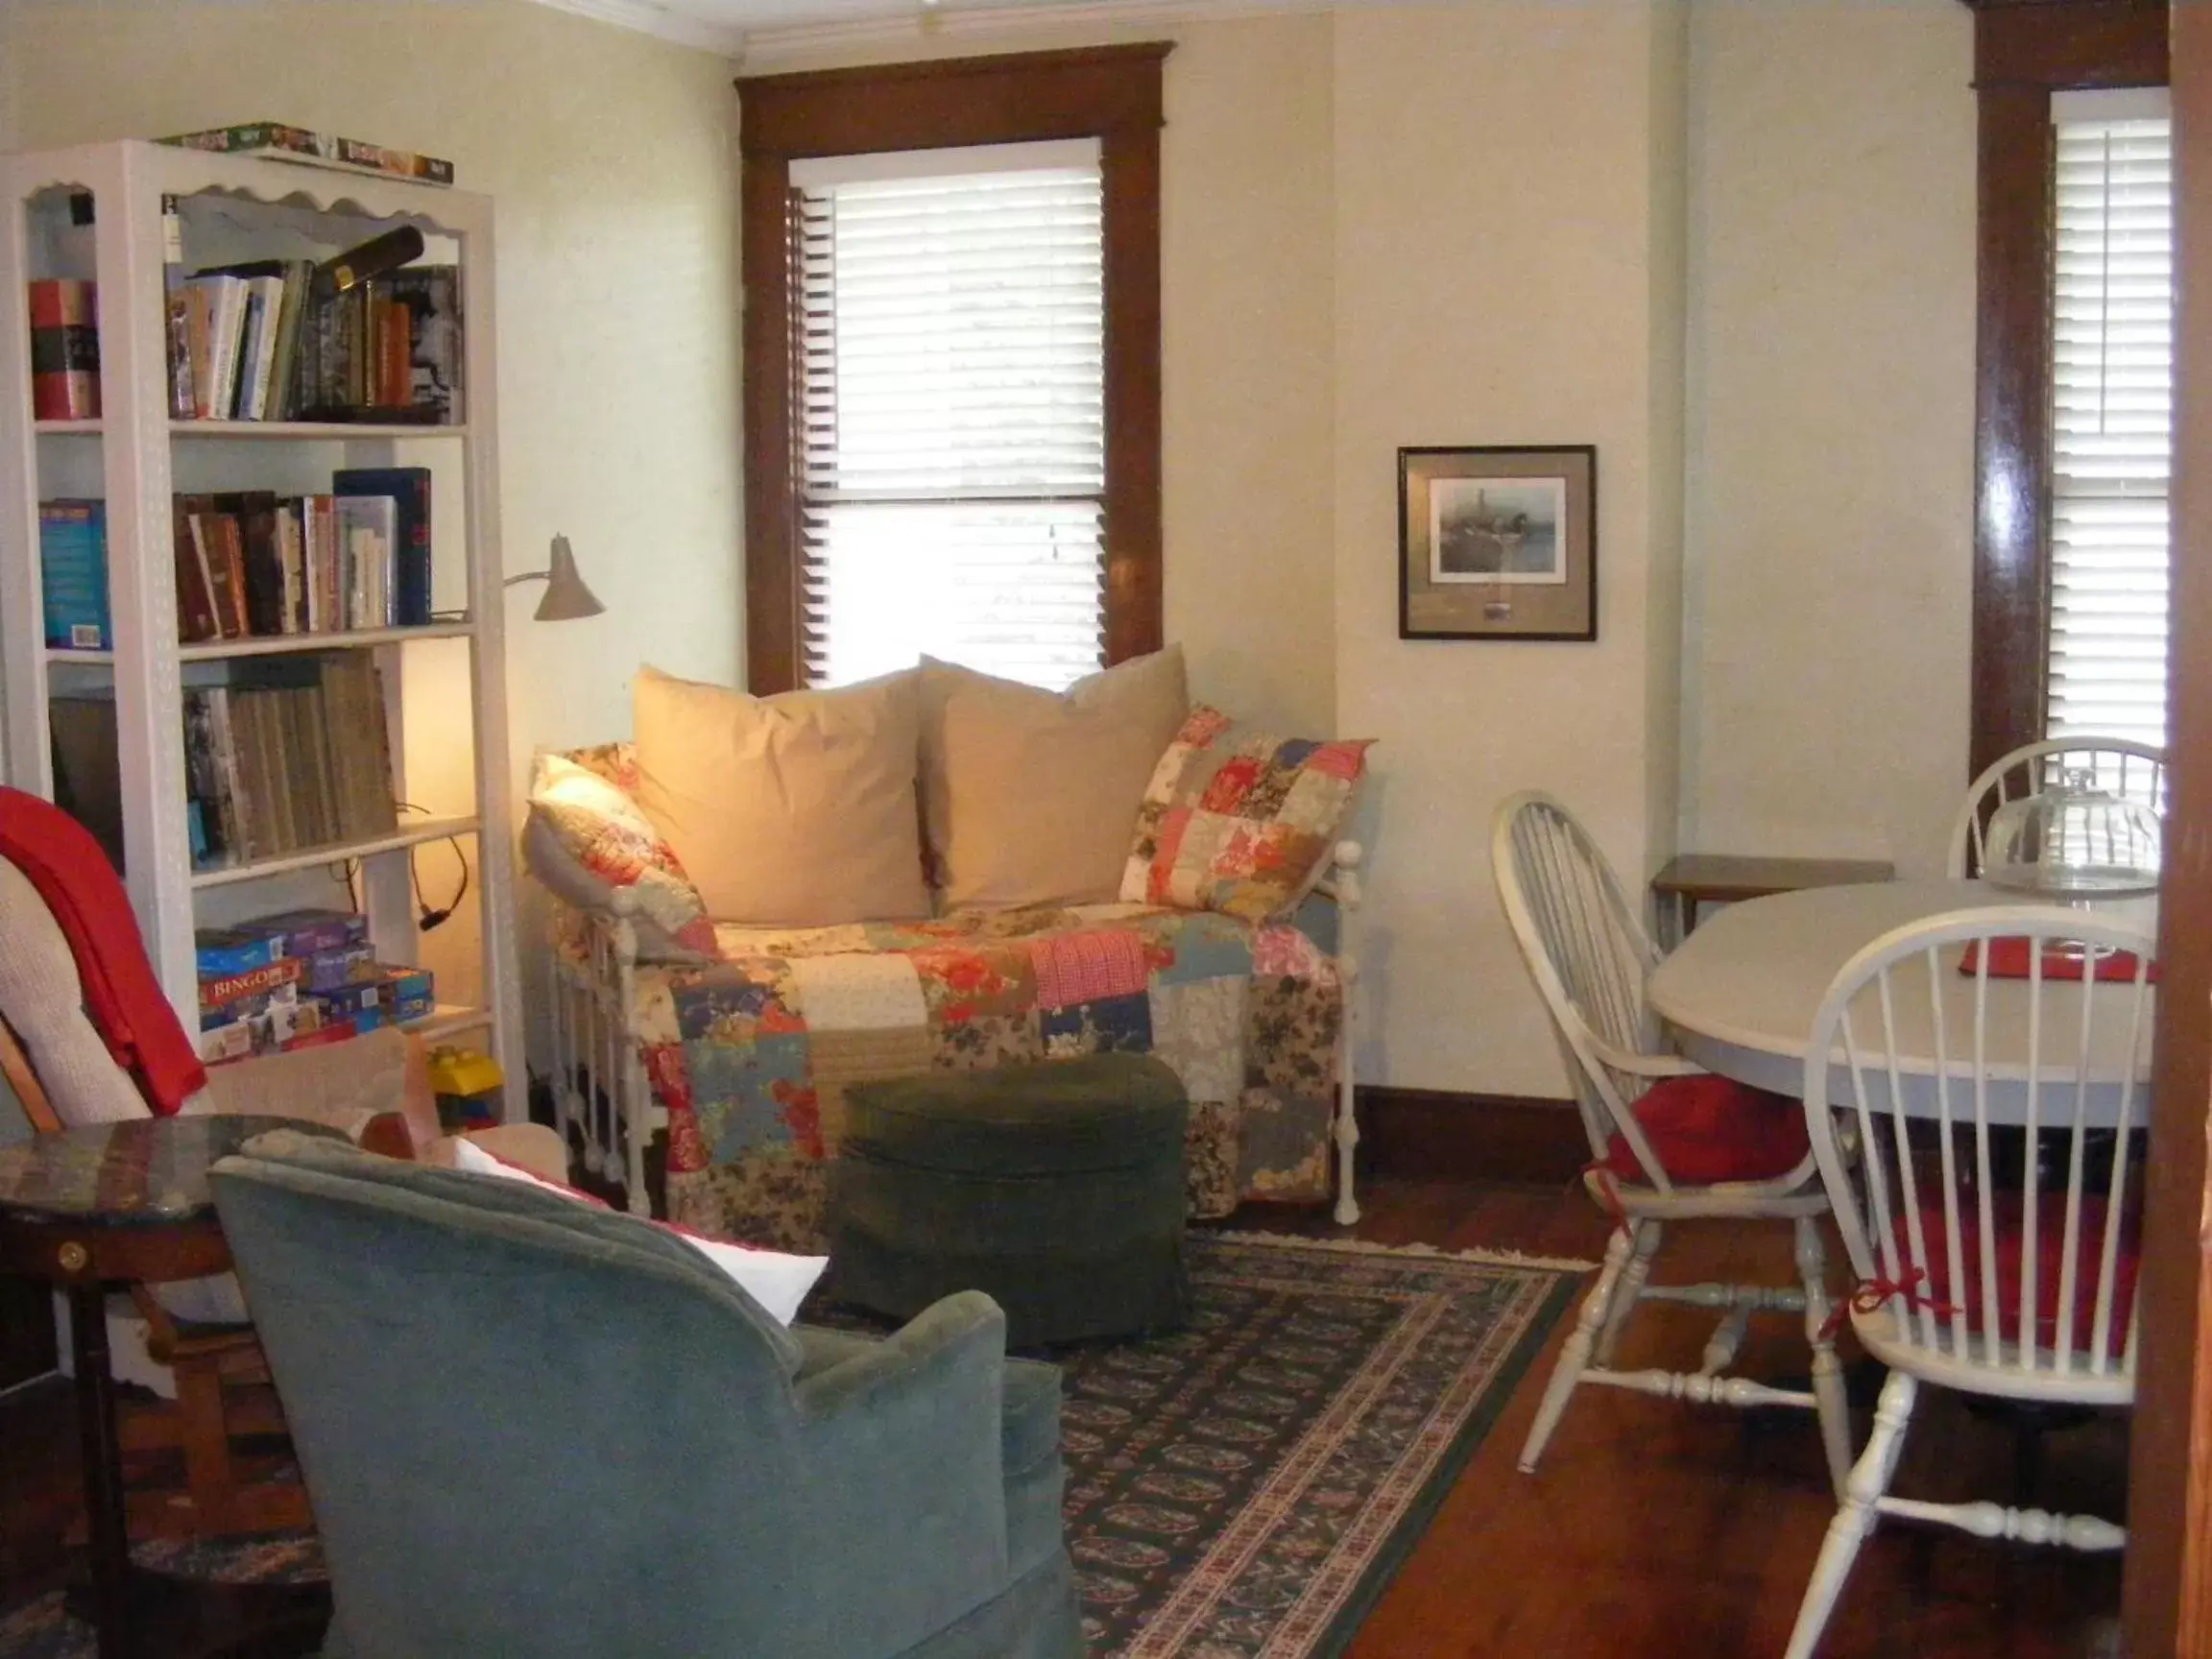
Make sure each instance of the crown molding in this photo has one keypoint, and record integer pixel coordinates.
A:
(650, 17)
(768, 48)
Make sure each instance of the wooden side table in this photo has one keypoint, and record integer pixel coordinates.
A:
(88, 1210)
(1694, 879)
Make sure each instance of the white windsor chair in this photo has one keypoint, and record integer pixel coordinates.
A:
(2130, 770)
(1590, 957)
(2026, 1295)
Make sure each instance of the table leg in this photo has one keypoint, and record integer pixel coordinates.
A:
(102, 1455)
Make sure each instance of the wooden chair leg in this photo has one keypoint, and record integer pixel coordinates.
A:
(1627, 1291)
(1576, 1355)
(1829, 1396)
(1855, 1517)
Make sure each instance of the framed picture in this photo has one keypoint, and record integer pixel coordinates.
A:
(1498, 542)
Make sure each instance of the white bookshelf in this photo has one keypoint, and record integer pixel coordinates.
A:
(134, 455)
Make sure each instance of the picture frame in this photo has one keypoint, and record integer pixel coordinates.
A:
(1498, 542)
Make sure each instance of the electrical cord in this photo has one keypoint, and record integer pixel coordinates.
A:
(426, 915)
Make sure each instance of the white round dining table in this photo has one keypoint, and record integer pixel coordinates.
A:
(1740, 992)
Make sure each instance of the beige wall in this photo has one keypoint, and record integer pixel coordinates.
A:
(1248, 366)
(1491, 290)
(1832, 428)
(610, 157)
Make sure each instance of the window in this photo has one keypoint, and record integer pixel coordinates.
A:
(2045, 640)
(953, 471)
(2112, 415)
(952, 364)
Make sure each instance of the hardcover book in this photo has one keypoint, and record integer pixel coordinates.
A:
(65, 350)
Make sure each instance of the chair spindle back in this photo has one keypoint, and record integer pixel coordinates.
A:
(1991, 1203)
(1588, 955)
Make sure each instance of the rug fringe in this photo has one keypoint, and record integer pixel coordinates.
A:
(1366, 1247)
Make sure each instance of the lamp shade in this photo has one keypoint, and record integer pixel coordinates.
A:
(567, 597)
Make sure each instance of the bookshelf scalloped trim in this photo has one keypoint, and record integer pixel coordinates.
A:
(339, 205)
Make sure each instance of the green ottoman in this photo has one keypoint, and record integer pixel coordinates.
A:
(1056, 1188)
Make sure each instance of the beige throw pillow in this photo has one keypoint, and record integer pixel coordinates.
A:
(1030, 796)
(797, 809)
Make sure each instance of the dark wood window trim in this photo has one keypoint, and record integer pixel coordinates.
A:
(1112, 93)
(2024, 52)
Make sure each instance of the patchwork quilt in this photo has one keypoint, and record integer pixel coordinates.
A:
(751, 1054)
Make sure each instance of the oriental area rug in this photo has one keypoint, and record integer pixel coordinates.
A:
(1244, 1488)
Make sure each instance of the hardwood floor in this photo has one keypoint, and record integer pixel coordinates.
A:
(1653, 1530)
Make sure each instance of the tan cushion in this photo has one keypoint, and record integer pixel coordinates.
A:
(797, 809)
(1030, 796)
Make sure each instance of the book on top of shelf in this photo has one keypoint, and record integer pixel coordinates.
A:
(279, 142)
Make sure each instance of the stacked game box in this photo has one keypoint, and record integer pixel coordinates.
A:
(301, 978)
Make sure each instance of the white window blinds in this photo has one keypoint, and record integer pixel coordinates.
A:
(953, 454)
(2113, 366)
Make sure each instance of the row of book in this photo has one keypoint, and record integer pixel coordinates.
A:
(306, 976)
(64, 350)
(267, 341)
(273, 768)
(252, 563)
(263, 341)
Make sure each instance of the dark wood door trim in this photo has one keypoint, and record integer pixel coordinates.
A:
(1109, 93)
(2168, 1455)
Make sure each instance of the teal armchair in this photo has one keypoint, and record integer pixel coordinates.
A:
(533, 1427)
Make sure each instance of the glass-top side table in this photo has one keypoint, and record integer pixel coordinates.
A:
(116, 1204)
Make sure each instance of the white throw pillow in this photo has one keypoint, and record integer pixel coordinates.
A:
(778, 1283)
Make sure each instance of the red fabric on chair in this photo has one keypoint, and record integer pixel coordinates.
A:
(2008, 960)
(60, 857)
(1707, 1129)
(2009, 1216)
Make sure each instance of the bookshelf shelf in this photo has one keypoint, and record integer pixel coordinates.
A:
(413, 834)
(284, 644)
(445, 1019)
(295, 431)
(167, 220)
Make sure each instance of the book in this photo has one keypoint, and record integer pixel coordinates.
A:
(175, 315)
(64, 350)
(368, 537)
(279, 142)
(88, 778)
(409, 489)
(197, 619)
(432, 297)
(260, 568)
(73, 575)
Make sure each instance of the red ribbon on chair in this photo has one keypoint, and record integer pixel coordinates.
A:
(1868, 1294)
(1609, 1194)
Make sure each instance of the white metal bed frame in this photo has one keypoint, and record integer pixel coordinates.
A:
(593, 1041)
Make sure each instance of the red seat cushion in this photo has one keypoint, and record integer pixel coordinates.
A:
(1707, 1129)
(2008, 1212)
